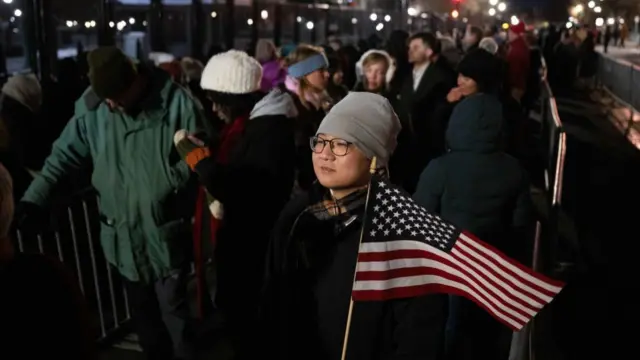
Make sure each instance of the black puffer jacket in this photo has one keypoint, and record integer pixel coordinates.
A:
(476, 185)
(310, 270)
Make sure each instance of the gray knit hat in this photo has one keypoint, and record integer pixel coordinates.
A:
(368, 121)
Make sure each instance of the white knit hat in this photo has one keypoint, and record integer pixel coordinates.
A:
(232, 72)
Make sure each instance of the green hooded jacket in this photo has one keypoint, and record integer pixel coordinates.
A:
(143, 184)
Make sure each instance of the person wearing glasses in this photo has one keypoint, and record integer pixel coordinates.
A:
(314, 248)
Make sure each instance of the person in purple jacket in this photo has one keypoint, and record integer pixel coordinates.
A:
(273, 74)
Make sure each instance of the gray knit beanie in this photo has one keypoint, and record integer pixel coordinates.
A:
(368, 121)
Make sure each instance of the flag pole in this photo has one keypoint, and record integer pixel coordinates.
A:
(372, 170)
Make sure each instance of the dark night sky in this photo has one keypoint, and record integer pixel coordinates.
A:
(552, 10)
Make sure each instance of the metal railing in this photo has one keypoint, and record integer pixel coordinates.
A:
(554, 141)
(73, 238)
(621, 79)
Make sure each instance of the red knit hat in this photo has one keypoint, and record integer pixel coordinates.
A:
(518, 28)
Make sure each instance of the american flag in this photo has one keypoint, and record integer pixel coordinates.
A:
(407, 252)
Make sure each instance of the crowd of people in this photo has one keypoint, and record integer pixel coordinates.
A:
(257, 166)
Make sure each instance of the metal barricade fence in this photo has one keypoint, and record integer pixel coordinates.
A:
(554, 143)
(621, 79)
(74, 238)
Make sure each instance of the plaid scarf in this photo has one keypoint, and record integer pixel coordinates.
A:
(330, 208)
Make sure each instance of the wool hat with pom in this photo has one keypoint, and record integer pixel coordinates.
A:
(232, 72)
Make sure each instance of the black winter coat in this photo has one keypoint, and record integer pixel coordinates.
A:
(253, 187)
(310, 271)
(478, 187)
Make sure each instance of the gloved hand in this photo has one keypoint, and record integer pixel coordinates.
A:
(30, 217)
(190, 148)
(193, 150)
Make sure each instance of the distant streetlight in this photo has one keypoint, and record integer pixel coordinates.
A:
(424, 15)
(455, 14)
(17, 13)
(591, 4)
(411, 11)
(214, 14)
(249, 22)
(299, 19)
(264, 14)
(597, 9)
(379, 27)
(492, 12)
(7, 1)
(310, 25)
(611, 21)
(599, 21)
(373, 17)
(111, 24)
(569, 24)
(514, 20)
(502, 7)
(387, 18)
(493, 2)
(92, 23)
(69, 23)
(354, 21)
(132, 21)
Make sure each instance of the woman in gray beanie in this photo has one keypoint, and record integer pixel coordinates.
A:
(314, 250)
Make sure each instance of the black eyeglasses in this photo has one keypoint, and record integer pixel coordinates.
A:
(339, 147)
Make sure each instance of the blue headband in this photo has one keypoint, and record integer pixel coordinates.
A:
(307, 66)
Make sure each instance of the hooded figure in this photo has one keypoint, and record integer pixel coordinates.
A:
(247, 175)
(500, 202)
(391, 69)
(478, 187)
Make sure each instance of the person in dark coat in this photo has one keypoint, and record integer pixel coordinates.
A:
(247, 175)
(307, 81)
(313, 254)
(478, 187)
(481, 72)
(421, 95)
